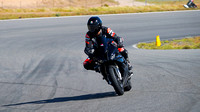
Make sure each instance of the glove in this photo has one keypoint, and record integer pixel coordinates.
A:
(119, 41)
(120, 45)
(91, 51)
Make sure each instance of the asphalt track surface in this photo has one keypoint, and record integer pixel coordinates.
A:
(41, 65)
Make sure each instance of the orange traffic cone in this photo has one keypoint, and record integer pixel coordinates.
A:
(158, 43)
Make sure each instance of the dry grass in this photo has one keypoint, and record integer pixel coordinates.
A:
(185, 43)
(53, 3)
(70, 11)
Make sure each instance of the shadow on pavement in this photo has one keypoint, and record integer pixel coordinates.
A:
(66, 99)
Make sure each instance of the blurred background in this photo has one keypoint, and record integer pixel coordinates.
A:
(84, 3)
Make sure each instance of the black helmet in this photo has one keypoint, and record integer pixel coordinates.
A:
(94, 24)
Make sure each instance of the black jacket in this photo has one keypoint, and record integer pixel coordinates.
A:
(90, 40)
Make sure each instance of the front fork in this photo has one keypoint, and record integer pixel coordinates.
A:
(105, 76)
(118, 73)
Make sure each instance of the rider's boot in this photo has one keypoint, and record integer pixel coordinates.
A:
(125, 55)
(129, 64)
(130, 73)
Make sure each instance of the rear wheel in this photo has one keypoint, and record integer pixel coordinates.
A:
(116, 82)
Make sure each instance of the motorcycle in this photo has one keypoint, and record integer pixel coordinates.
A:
(112, 65)
(190, 4)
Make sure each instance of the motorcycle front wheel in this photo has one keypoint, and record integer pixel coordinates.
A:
(115, 81)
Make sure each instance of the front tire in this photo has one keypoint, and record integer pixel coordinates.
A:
(115, 81)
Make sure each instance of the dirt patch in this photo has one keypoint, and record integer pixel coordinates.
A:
(131, 3)
(54, 3)
(66, 3)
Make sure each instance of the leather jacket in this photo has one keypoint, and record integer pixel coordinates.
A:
(90, 39)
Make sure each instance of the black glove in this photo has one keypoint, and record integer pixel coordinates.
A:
(91, 51)
(119, 41)
(120, 45)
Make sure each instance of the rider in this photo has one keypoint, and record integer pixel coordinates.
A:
(190, 4)
(95, 30)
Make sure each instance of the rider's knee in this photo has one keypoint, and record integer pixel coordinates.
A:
(88, 64)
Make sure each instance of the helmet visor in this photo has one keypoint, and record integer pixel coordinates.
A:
(93, 28)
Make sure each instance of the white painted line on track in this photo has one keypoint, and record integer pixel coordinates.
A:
(135, 46)
(101, 15)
